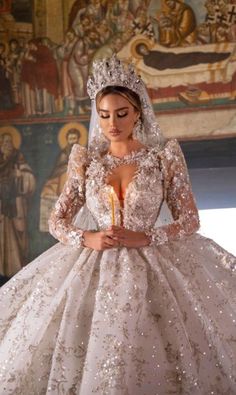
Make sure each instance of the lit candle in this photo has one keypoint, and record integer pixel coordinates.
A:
(112, 206)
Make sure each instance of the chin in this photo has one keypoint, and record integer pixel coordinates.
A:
(118, 139)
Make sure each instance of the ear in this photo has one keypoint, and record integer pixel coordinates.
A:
(137, 116)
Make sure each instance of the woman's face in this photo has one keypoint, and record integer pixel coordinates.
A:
(117, 117)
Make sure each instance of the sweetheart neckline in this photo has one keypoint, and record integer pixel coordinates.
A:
(133, 156)
(133, 179)
(109, 162)
(121, 181)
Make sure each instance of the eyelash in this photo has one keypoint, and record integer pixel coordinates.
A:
(119, 116)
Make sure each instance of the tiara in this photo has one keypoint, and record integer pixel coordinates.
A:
(110, 72)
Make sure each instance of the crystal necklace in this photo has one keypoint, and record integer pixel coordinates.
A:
(133, 156)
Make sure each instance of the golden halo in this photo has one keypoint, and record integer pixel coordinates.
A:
(134, 45)
(73, 125)
(15, 134)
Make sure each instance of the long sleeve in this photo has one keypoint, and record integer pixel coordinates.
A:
(70, 201)
(178, 195)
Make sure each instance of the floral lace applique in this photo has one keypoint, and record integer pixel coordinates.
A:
(70, 201)
(143, 193)
(178, 195)
(160, 175)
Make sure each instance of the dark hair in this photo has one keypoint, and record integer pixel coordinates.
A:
(73, 131)
(6, 134)
(127, 93)
(13, 41)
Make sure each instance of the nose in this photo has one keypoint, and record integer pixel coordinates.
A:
(113, 120)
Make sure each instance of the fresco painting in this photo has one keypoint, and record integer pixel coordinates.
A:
(33, 161)
(70, 134)
(17, 185)
(186, 53)
(184, 50)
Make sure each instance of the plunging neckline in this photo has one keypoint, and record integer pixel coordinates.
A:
(111, 190)
(115, 161)
(131, 182)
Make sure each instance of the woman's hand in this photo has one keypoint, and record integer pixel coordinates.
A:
(116, 236)
(100, 241)
(129, 238)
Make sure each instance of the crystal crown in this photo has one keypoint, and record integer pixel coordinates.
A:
(112, 71)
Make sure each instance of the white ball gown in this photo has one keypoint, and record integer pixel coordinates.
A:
(155, 320)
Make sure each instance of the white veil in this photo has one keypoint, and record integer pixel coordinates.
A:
(113, 72)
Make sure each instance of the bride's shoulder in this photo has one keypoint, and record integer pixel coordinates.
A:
(78, 157)
(78, 149)
(79, 154)
(167, 148)
(170, 150)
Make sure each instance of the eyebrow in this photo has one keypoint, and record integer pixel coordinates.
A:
(117, 109)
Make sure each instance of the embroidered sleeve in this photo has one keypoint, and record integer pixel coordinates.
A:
(178, 195)
(70, 201)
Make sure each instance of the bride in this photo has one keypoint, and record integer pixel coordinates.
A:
(122, 305)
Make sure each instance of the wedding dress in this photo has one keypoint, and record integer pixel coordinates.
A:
(155, 320)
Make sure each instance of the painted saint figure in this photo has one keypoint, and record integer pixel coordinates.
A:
(40, 79)
(13, 68)
(169, 60)
(6, 95)
(55, 183)
(17, 184)
(177, 24)
(63, 53)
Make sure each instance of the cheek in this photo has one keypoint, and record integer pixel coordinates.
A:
(125, 124)
(102, 123)
(129, 123)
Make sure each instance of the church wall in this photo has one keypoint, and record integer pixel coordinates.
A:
(186, 54)
(54, 14)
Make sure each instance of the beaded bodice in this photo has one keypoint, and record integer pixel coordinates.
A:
(143, 194)
(160, 174)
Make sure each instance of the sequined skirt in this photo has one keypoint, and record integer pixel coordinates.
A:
(148, 321)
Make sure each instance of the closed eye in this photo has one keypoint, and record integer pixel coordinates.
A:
(119, 115)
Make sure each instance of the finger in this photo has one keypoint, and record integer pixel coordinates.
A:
(111, 238)
(120, 237)
(106, 245)
(110, 241)
(117, 231)
(111, 233)
(123, 231)
(115, 227)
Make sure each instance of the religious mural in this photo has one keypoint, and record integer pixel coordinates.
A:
(70, 134)
(33, 161)
(184, 50)
(17, 185)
